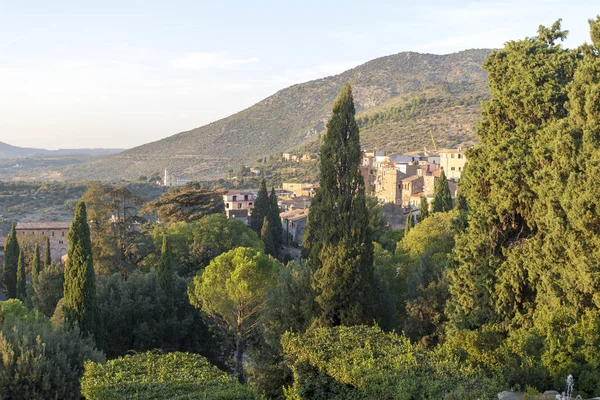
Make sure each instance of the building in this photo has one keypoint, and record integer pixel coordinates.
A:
(388, 186)
(295, 203)
(368, 172)
(37, 232)
(241, 215)
(172, 180)
(411, 186)
(239, 200)
(294, 224)
(453, 163)
(301, 188)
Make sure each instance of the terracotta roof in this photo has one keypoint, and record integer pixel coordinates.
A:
(411, 178)
(44, 225)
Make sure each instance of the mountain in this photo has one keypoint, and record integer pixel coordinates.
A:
(402, 101)
(14, 152)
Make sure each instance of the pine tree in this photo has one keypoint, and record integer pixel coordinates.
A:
(11, 261)
(442, 199)
(423, 209)
(21, 277)
(275, 222)
(337, 241)
(266, 235)
(165, 269)
(80, 303)
(410, 222)
(47, 256)
(35, 263)
(261, 208)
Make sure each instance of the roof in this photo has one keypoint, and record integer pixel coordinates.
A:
(455, 151)
(411, 178)
(44, 225)
(294, 215)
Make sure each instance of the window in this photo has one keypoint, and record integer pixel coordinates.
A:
(239, 205)
(245, 197)
(452, 155)
(234, 198)
(249, 204)
(460, 156)
(60, 242)
(226, 205)
(52, 233)
(63, 233)
(451, 168)
(459, 168)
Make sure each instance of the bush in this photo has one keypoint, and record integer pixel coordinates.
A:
(155, 376)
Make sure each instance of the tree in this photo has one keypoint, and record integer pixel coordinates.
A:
(442, 199)
(35, 263)
(275, 222)
(21, 277)
(338, 239)
(47, 256)
(48, 289)
(423, 208)
(11, 263)
(267, 237)
(165, 269)
(410, 222)
(232, 291)
(80, 306)
(261, 208)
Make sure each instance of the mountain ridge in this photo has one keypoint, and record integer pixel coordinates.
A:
(12, 152)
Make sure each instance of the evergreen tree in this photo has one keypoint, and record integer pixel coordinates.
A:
(80, 303)
(275, 222)
(11, 261)
(442, 199)
(266, 235)
(423, 209)
(35, 263)
(261, 208)
(21, 277)
(47, 256)
(337, 242)
(165, 269)
(410, 222)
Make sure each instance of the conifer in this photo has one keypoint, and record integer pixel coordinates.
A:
(410, 222)
(35, 263)
(11, 261)
(266, 235)
(165, 269)
(261, 208)
(275, 222)
(338, 239)
(21, 277)
(423, 209)
(47, 255)
(442, 199)
(80, 302)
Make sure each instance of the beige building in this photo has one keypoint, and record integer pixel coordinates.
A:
(453, 163)
(411, 186)
(388, 186)
(172, 180)
(301, 188)
(37, 232)
(294, 224)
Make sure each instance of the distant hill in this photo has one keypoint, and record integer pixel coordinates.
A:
(14, 152)
(401, 100)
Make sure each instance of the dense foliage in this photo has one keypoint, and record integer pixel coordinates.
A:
(11, 263)
(160, 376)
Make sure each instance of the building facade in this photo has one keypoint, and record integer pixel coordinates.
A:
(453, 163)
(172, 180)
(294, 224)
(36, 232)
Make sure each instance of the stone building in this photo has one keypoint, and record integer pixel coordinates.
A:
(172, 180)
(294, 224)
(36, 232)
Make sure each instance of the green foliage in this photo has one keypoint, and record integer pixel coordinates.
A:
(11, 263)
(442, 199)
(47, 256)
(377, 220)
(267, 237)
(275, 222)
(423, 209)
(232, 290)
(21, 277)
(362, 362)
(35, 263)
(160, 376)
(338, 238)
(195, 244)
(39, 360)
(139, 316)
(165, 269)
(80, 306)
(410, 222)
(48, 289)
(261, 208)
(186, 204)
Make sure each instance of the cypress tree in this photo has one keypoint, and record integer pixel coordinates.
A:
(165, 269)
(80, 302)
(275, 222)
(261, 208)
(410, 222)
(442, 199)
(47, 256)
(338, 239)
(35, 263)
(21, 277)
(11, 261)
(267, 238)
(423, 209)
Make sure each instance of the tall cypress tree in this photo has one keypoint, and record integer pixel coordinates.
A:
(275, 222)
(21, 277)
(266, 235)
(35, 263)
(47, 256)
(423, 209)
(11, 261)
(81, 305)
(165, 269)
(410, 222)
(442, 199)
(261, 208)
(338, 241)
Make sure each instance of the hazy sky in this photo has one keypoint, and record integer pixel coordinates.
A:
(123, 73)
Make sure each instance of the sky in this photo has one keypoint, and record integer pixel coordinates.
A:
(118, 74)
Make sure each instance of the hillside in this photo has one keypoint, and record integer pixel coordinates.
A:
(14, 152)
(400, 99)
